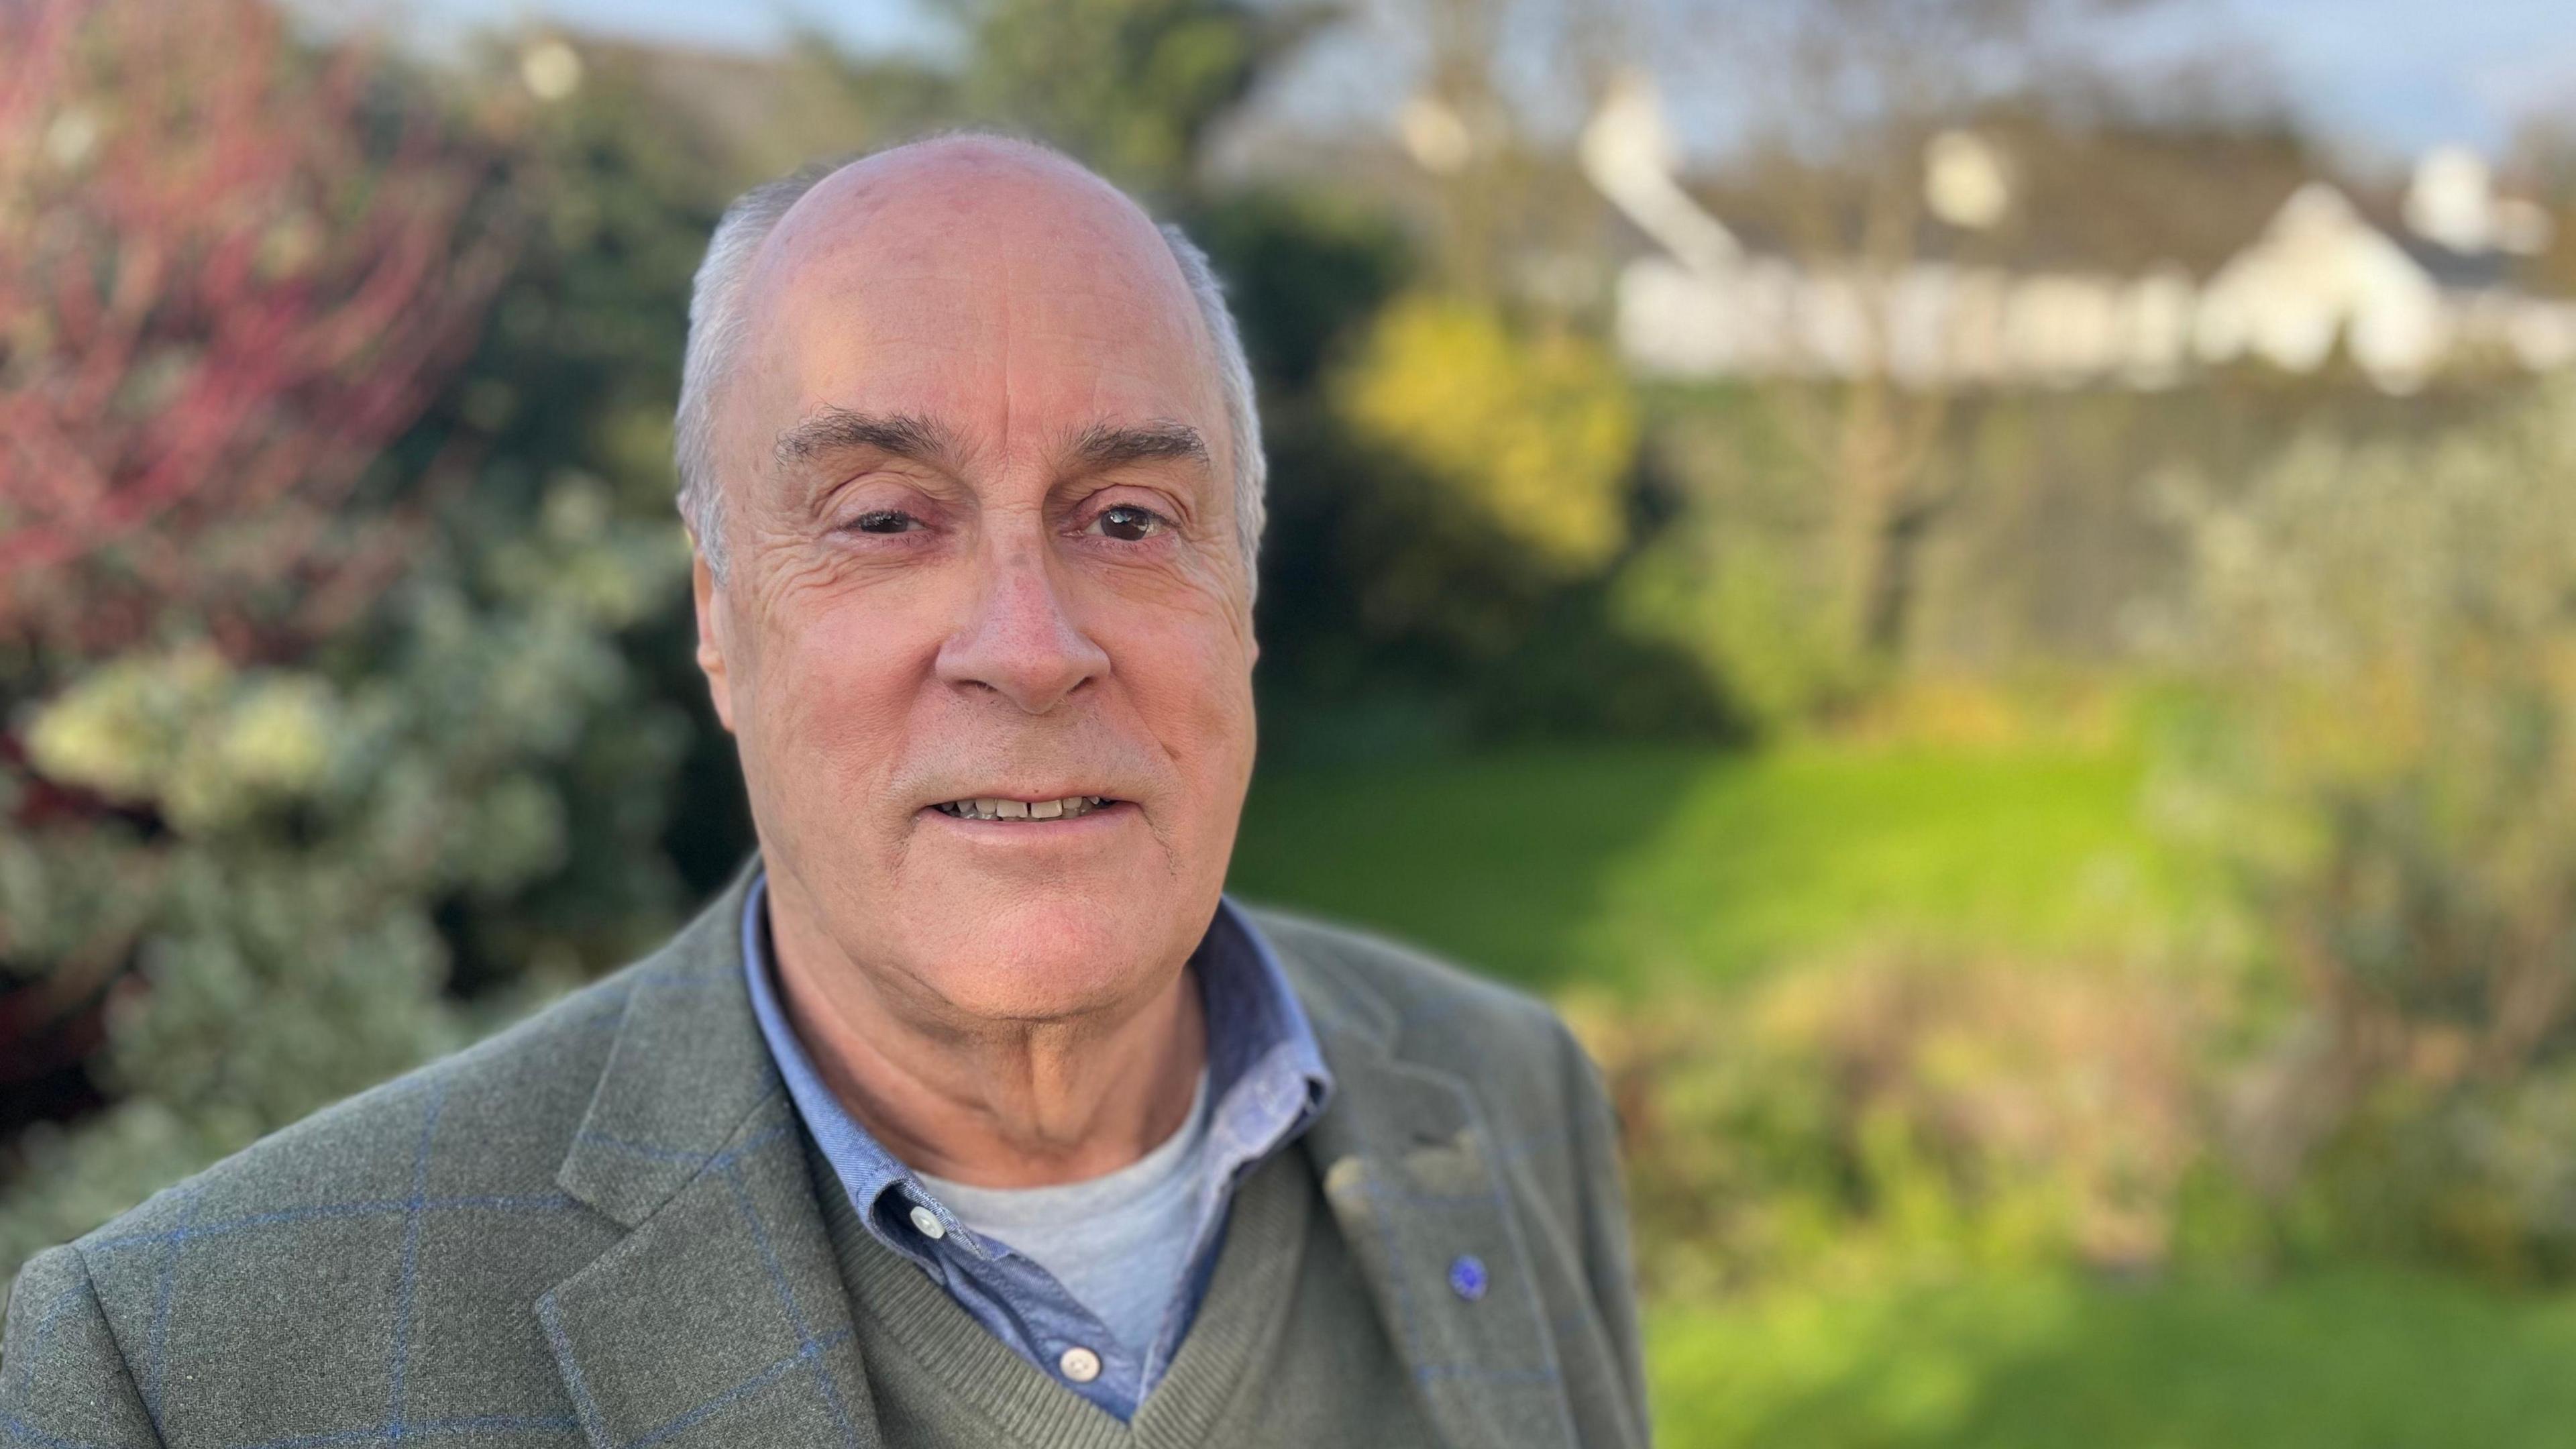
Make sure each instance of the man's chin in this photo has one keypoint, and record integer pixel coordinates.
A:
(1027, 951)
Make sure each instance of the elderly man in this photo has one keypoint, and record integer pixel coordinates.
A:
(973, 1114)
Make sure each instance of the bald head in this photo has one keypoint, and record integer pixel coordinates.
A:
(978, 212)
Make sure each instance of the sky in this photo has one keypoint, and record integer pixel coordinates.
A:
(2393, 76)
(2408, 74)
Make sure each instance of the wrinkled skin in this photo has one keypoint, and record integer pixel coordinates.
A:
(982, 543)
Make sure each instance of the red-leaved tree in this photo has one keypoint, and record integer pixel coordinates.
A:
(235, 267)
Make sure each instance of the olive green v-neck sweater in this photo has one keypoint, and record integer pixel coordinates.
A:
(1286, 1349)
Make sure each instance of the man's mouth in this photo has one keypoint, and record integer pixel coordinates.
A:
(993, 808)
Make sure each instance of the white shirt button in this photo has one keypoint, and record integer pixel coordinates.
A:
(927, 1223)
(1079, 1364)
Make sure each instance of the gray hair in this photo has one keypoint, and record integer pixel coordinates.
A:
(717, 322)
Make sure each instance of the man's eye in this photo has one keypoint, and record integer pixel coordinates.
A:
(1129, 523)
(885, 520)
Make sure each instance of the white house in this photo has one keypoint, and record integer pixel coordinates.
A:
(2320, 273)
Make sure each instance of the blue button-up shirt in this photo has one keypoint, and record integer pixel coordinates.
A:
(1266, 1083)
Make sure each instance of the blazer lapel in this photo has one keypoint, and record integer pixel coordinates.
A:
(721, 1317)
(1406, 1163)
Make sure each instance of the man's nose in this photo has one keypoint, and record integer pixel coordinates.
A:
(1019, 640)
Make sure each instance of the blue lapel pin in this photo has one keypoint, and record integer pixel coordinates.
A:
(1467, 1277)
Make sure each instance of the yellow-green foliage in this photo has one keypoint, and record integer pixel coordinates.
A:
(185, 731)
(1530, 435)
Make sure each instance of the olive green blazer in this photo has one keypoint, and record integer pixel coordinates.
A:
(599, 1226)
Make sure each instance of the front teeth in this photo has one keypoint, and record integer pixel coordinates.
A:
(987, 808)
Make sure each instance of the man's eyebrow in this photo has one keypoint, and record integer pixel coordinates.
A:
(837, 429)
(1103, 445)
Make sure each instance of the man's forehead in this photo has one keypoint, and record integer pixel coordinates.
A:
(972, 213)
(957, 274)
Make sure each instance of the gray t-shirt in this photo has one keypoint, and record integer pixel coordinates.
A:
(1119, 1242)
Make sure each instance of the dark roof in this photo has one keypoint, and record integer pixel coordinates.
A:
(2458, 271)
(2086, 199)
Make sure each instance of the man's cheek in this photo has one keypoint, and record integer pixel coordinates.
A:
(1210, 687)
(830, 737)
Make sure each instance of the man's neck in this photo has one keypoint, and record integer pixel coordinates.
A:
(1019, 1104)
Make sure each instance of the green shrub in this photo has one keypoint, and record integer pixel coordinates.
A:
(2388, 755)
(1904, 1114)
(298, 853)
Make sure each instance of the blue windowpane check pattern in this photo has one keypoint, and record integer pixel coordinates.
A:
(399, 1421)
(1266, 1083)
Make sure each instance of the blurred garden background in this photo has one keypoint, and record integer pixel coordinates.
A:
(1985, 599)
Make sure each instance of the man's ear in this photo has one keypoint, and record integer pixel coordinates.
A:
(711, 645)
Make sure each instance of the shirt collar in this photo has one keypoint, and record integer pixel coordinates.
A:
(1266, 1074)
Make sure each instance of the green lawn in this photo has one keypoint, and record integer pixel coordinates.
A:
(1625, 865)
(1629, 866)
(2352, 1360)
